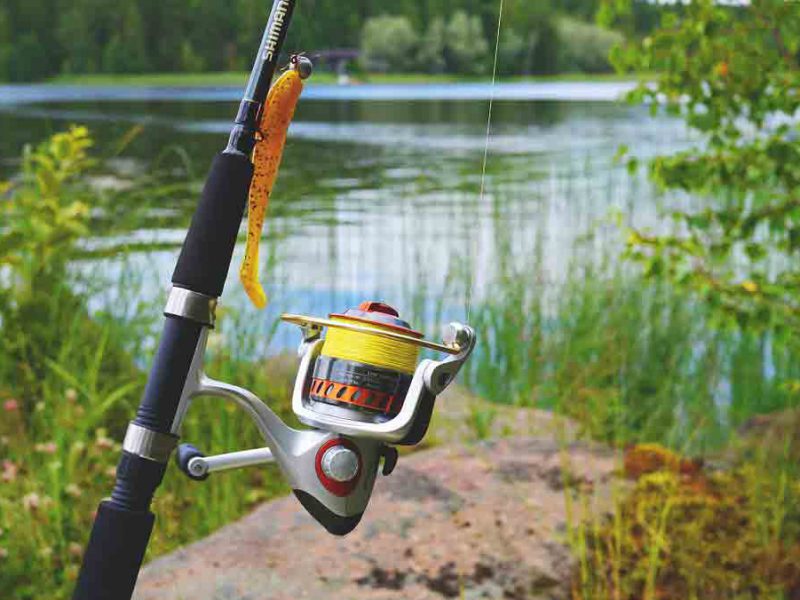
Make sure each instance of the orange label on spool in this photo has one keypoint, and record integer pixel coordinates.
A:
(352, 394)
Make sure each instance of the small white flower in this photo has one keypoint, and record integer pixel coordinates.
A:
(31, 501)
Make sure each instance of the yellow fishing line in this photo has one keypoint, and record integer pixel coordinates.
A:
(370, 349)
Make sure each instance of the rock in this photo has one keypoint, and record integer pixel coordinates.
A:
(462, 416)
(777, 433)
(481, 521)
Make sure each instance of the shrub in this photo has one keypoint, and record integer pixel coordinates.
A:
(389, 43)
(585, 47)
(732, 75)
(511, 53)
(28, 60)
(431, 50)
(46, 210)
(466, 47)
(707, 536)
(191, 62)
(546, 49)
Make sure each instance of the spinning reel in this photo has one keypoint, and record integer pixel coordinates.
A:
(361, 389)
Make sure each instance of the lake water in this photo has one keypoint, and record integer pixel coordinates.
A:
(379, 195)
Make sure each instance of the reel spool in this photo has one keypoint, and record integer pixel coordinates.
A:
(363, 377)
(366, 377)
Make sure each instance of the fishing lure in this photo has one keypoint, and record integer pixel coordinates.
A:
(277, 115)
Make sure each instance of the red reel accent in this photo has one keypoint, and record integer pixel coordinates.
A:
(337, 488)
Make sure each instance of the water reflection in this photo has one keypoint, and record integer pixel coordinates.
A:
(380, 198)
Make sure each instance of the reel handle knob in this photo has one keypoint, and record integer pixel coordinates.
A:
(184, 455)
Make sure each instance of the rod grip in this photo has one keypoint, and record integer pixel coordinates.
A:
(114, 555)
(207, 250)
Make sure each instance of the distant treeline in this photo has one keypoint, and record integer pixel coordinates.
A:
(43, 38)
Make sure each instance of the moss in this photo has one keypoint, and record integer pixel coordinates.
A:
(642, 459)
(683, 533)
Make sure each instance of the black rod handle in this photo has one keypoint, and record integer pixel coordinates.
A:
(206, 254)
(114, 554)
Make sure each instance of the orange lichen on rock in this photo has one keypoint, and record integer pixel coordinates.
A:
(642, 459)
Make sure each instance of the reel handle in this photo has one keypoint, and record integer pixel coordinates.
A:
(198, 466)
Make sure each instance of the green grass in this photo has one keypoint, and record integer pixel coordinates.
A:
(239, 79)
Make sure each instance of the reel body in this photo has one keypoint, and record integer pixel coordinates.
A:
(360, 389)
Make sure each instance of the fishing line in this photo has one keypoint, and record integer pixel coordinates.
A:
(482, 192)
(370, 349)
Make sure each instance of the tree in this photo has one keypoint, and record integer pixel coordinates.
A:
(466, 47)
(27, 59)
(126, 53)
(5, 45)
(530, 38)
(389, 43)
(431, 49)
(585, 47)
(732, 74)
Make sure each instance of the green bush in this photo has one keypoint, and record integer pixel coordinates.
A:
(513, 48)
(46, 209)
(389, 43)
(125, 53)
(466, 48)
(431, 50)
(585, 47)
(27, 59)
(191, 62)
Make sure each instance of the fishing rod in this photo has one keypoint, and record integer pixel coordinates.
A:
(361, 389)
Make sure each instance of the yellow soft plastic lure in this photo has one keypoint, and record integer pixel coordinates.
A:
(277, 115)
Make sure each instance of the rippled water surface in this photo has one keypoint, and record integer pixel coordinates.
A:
(380, 190)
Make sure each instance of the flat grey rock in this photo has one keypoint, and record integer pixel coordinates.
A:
(480, 521)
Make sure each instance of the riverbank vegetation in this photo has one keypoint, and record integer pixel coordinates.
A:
(732, 531)
(631, 361)
(40, 39)
(238, 79)
(69, 380)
